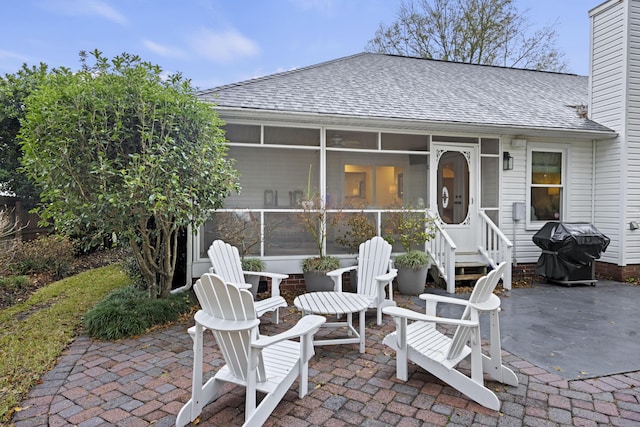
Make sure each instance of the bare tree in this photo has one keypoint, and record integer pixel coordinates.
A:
(8, 223)
(489, 32)
(9, 226)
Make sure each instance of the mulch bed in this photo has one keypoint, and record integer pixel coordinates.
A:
(12, 296)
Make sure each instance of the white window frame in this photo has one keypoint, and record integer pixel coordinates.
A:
(564, 206)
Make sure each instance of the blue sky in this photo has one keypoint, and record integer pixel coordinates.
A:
(216, 42)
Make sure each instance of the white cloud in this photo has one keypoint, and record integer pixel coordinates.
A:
(7, 55)
(163, 50)
(11, 61)
(86, 8)
(224, 46)
(325, 7)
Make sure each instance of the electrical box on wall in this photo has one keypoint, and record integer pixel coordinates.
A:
(517, 211)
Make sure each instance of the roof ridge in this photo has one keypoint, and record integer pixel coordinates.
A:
(478, 65)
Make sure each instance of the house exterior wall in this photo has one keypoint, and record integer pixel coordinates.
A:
(615, 102)
(578, 191)
(607, 106)
(632, 138)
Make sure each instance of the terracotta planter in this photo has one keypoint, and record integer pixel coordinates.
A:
(317, 281)
(410, 281)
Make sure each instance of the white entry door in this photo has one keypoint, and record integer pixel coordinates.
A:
(454, 192)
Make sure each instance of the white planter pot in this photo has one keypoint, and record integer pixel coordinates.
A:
(410, 281)
(317, 281)
(254, 281)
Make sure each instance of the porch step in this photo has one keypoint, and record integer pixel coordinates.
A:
(466, 273)
(470, 271)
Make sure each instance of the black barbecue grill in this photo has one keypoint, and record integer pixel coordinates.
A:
(569, 251)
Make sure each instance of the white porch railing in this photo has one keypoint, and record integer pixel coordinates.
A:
(442, 251)
(495, 247)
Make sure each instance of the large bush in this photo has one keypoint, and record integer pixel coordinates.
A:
(120, 147)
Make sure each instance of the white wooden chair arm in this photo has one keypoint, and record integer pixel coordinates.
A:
(265, 274)
(412, 315)
(387, 277)
(443, 298)
(307, 324)
(211, 322)
(276, 278)
(336, 276)
(340, 271)
(491, 304)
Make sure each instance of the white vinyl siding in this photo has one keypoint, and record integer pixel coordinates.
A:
(608, 200)
(616, 103)
(577, 206)
(607, 71)
(607, 107)
(632, 241)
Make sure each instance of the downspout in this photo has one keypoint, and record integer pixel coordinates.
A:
(189, 256)
(589, 112)
(593, 181)
(622, 259)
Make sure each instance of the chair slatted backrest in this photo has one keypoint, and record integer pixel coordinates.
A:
(482, 290)
(226, 262)
(373, 261)
(228, 303)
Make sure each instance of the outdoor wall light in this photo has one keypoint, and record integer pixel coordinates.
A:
(633, 225)
(507, 161)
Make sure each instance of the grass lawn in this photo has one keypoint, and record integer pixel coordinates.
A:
(35, 332)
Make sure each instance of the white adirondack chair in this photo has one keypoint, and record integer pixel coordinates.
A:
(226, 263)
(262, 364)
(439, 354)
(374, 274)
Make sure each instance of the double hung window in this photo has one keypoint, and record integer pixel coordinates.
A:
(546, 185)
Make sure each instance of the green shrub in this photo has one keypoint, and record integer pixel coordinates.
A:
(14, 282)
(323, 264)
(128, 312)
(360, 227)
(411, 228)
(252, 264)
(46, 254)
(412, 259)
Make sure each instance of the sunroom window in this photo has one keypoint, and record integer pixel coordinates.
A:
(376, 180)
(547, 186)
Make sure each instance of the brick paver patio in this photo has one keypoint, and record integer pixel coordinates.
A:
(145, 381)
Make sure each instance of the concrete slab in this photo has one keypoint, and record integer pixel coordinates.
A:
(577, 331)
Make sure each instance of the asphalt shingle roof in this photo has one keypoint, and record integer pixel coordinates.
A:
(386, 86)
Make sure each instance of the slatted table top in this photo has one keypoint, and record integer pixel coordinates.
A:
(331, 302)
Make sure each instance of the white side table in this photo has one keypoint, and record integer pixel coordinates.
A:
(336, 303)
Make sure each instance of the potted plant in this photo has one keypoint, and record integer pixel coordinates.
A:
(412, 229)
(359, 228)
(314, 219)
